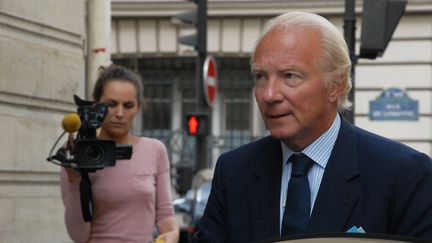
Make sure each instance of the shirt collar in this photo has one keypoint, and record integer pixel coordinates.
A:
(320, 150)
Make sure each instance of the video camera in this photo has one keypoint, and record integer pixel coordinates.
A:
(89, 153)
(92, 153)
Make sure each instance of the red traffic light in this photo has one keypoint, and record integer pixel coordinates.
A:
(197, 124)
(192, 125)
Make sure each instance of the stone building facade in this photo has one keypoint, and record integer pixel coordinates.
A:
(42, 65)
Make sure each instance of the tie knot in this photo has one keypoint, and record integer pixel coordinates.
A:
(300, 164)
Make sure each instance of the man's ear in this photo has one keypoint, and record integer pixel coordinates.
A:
(337, 87)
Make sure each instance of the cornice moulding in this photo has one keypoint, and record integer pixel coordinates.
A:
(151, 9)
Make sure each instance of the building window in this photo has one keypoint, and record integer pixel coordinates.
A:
(156, 120)
(159, 75)
(237, 120)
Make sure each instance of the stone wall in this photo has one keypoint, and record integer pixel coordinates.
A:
(41, 66)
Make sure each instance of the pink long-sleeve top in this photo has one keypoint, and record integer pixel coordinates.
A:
(129, 199)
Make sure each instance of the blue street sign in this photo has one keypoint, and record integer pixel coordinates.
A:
(393, 104)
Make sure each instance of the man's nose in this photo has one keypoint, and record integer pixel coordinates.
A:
(272, 91)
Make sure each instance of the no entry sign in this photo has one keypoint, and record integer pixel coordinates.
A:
(210, 80)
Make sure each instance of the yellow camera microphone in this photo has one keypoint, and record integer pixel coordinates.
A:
(71, 123)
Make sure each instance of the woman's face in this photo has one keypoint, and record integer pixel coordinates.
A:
(121, 97)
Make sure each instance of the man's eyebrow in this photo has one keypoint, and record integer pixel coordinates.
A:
(255, 68)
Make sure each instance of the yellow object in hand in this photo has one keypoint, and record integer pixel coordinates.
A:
(158, 241)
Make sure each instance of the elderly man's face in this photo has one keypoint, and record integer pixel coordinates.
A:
(296, 105)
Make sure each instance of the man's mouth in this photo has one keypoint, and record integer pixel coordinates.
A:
(276, 116)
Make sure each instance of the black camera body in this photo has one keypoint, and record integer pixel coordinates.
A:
(91, 153)
(94, 154)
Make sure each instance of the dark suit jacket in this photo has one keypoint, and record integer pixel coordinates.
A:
(370, 181)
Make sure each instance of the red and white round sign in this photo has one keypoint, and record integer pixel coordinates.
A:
(210, 80)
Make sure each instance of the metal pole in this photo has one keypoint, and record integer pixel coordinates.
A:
(201, 104)
(349, 34)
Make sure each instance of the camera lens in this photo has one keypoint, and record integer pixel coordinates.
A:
(94, 153)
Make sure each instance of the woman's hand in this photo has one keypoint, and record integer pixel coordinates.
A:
(170, 232)
(73, 175)
(168, 237)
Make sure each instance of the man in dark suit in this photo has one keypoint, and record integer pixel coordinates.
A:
(352, 180)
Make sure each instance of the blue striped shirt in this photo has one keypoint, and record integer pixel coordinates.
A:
(319, 151)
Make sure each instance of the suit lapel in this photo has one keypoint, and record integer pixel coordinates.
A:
(264, 190)
(337, 194)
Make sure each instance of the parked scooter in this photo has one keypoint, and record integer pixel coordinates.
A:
(191, 206)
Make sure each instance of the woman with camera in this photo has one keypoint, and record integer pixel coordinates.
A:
(132, 198)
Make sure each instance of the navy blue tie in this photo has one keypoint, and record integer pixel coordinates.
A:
(297, 204)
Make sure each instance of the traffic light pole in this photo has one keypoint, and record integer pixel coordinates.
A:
(379, 20)
(201, 104)
(349, 34)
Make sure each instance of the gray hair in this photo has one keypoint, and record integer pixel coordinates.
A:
(335, 58)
